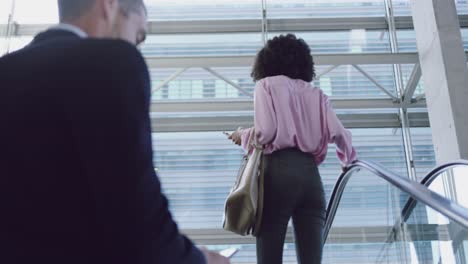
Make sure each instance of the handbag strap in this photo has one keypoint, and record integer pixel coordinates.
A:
(255, 144)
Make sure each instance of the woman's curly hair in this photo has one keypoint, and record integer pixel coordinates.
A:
(284, 55)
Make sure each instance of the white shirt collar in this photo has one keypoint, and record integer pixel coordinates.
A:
(71, 28)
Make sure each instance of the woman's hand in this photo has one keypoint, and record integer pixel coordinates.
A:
(236, 136)
(214, 258)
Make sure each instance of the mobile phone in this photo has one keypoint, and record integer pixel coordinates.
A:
(228, 253)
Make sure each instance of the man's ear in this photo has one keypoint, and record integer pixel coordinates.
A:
(109, 9)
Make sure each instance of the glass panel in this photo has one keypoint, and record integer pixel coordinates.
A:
(403, 7)
(365, 217)
(198, 169)
(342, 82)
(3, 46)
(5, 10)
(407, 69)
(464, 32)
(462, 6)
(324, 8)
(433, 238)
(452, 184)
(203, 9)
(346, 82)
(352, 41)
(184, 45)
(36, 12)
(17, 43)
(423, 151)
(197, 83)
(407, 40)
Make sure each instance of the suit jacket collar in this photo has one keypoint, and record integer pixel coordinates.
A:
(52, 34)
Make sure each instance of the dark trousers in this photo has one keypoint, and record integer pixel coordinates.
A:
(293, 189)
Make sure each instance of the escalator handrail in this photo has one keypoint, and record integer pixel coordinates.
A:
(419, 192)
(434, 173)
(427, 181)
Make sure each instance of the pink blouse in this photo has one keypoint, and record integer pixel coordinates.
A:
(292, 113)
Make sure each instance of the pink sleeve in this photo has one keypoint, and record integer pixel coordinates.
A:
(339, 135)
(245, 137)
(265, 114)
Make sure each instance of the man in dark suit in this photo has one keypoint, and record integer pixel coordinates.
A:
(77, 183)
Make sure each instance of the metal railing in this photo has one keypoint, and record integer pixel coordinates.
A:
(417, 191)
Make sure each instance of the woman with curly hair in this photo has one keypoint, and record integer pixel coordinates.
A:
(295, 122)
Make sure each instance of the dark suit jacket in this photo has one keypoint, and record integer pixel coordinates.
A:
(77, 183)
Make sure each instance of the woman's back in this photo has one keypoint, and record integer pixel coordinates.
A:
(291, 113)
(295, 122)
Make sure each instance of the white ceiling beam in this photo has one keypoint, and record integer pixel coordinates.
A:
(255, 25)
(319, 59)
(246, 105)
(221, 122)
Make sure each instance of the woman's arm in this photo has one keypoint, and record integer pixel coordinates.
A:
(339, 135)
(265, 119)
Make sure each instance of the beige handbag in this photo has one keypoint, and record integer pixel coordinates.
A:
(244, 204)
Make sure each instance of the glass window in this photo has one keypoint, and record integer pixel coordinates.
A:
(407, 69)
(324, 8)
(169, 10)
(343, 82)
(189, 45)
(403, 7)
(198, 169)
(36, 12)
(352, 41)
(16, 43)
(5, 10)
(423, 151)
(407, 40)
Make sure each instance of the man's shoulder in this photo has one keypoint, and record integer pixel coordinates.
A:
(106, 52)
(110, 47)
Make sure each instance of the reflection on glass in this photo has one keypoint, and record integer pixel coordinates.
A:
(367, 212)
(435, 238)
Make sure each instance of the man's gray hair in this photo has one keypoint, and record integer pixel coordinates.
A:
(71, 9)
